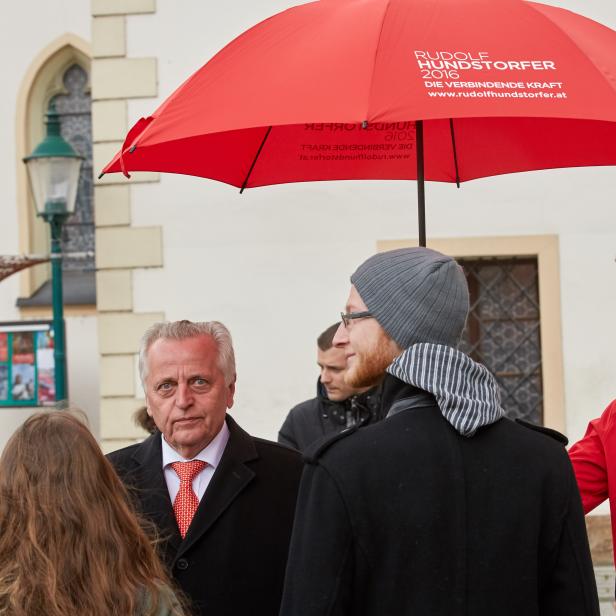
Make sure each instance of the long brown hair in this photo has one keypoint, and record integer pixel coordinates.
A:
(70, 542)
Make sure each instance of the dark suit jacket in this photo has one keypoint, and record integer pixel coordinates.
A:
(233, 558)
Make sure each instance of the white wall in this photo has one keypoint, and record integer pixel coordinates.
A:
(273, 263)
(83, 367)
(26, 28)
(588, 269)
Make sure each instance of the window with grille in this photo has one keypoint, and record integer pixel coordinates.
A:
(503, 330)
(74, 109)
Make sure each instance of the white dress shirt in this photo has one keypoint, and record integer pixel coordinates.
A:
(211, 454)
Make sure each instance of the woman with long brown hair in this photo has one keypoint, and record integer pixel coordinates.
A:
(70, 543)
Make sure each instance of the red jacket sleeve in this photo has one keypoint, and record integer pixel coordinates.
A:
(588, 457)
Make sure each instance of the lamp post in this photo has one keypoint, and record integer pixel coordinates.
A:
(53, 170)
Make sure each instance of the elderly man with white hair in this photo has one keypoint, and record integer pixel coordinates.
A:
(222, 501)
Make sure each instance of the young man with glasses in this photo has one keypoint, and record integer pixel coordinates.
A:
(445, 507)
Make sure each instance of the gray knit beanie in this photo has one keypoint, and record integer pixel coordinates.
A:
(416, 294)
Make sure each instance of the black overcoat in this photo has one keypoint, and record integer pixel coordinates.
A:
(313, 419)
(408, 518)
(233, 557)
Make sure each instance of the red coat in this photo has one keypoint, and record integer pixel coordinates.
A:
(594, 463)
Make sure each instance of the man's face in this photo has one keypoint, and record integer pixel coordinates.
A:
(333, 367)
(186, 393)
(368, 349)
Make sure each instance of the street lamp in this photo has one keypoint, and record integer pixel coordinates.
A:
(53, 169)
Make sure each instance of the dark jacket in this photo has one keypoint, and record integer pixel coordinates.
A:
(233, 557)
(309, 421)
(409, 518)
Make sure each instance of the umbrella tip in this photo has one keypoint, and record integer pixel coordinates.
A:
(101, 175)
(364, 124)
(132, 149)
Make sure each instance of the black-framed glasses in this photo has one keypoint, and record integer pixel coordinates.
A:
(347, 317)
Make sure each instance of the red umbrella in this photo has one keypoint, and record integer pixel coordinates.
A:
(353, 89)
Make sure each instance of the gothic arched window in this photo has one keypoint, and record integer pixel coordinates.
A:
(62, 79)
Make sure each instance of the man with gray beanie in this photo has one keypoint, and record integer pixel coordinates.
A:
(445, 508)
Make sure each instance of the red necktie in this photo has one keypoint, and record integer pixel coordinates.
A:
(186, 501)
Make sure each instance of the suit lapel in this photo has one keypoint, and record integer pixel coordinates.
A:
(153, 492)
(229, 480)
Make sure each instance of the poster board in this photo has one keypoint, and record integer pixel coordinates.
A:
(27, 366)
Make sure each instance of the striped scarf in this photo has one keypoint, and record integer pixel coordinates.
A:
(465, 391)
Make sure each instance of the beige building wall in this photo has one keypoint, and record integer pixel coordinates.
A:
(121, 247)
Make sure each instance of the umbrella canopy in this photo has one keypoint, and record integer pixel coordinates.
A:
(353, 89)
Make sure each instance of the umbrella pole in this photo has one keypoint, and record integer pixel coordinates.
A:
(421, 195)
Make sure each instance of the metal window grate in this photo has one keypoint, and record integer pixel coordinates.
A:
(74, 109)
(503, 330)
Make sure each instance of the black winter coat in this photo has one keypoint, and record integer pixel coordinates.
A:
(408, 518)
(233, 557)
(313, 419)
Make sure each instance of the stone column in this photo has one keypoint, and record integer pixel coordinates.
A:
(120, 246)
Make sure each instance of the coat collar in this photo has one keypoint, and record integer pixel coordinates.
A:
(366, 404)
(392, 390)
(152, 491)
(228, 481)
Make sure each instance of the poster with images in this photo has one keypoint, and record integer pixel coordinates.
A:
(23, 348)
(46, 387)
(22, 385)
(4, 347)
(45, 368)
(27, 364)
(4, 383)
(44, 340)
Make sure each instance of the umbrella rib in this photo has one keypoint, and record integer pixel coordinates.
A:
(376, 53)
(455, 152)
(269, 130)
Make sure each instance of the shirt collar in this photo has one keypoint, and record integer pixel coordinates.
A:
(210, 454)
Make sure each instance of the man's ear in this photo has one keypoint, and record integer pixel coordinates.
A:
(231, 392)
(147, 406)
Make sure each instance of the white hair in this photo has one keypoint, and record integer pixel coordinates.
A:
(181, 330)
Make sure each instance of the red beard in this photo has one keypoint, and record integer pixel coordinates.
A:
(370, 364)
